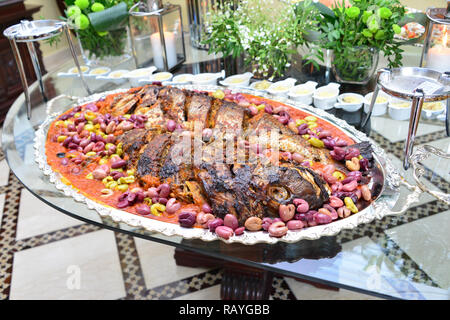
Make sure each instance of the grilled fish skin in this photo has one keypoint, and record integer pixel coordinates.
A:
(172, 103)
(197, 109)
(151, 159)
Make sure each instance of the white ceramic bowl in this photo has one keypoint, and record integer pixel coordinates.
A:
(303, 93)
(139, 74)
(116, 76)
(238, 80)
(397, 111)
(349, 102)
(100, 71)
(380, 107)
(325, 97)
(74, 70)
(207, 78)
(430, 114)
(281, 88)
(161, 76)
(254, 84)
(184, 78)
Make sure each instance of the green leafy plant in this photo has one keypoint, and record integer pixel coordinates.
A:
(100, 25)
(268, 32)
(366, 24)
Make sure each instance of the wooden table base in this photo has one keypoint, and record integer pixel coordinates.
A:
(239, 282)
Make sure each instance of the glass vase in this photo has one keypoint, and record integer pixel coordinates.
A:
(105, 49)
(355, 65)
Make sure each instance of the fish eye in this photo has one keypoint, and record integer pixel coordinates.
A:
(278, 193)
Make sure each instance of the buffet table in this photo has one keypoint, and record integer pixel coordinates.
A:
(371, 258)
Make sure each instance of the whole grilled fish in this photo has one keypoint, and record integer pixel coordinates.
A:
(221, 169)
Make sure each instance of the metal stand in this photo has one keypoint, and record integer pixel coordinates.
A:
(418, 85)
(28, 32)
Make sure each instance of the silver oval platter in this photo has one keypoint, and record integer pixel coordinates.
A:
(386, 180)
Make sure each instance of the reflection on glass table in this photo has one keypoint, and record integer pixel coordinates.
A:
(404, 257)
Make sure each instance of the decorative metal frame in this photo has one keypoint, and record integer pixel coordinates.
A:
(422, 153)
(384, 80)
(28, 32)
(158, 13)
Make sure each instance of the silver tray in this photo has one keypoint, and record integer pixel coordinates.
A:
(385, 175)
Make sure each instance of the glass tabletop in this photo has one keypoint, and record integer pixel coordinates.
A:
(405, 257)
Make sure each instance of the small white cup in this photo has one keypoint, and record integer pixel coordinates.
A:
(207, 78)
(349, 106)
(430, 114)
(136, 75)
(397, 112)
(281, 88)
(328, 100)
(238, 80)
(303, 93)
(379, 108)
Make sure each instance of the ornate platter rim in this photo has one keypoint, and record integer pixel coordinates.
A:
(381, 207)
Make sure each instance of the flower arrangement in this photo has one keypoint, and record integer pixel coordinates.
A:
(100, 25)
(368, 25)
(268, 32)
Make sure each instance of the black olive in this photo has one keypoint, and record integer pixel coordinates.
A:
(61, 154)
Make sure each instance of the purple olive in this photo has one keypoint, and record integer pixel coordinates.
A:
(84, 143)
(356, 174)
(332, 210)
(143, 209)
(329, 143)
(152, 192)
(306, 164)
(171, 125)
(118, 164)
(206, 208)
(351, 153)
(364, 164)
(324, 134)
(110, 138)
(338, 153)
(322, 218)
(123, 196)
(140, 196)
(302, 129)
(266, 222)
(224, 232)
(162, 200)
(117, 174)
(122, 204)
(99, 146)
(283, 120)
(71, 127)
(172, 206)
(92, 107)
(73, 145)
(213, 224)
(239, 231)
(163, 190)
(231, 221)
(186, 219)
(67, 141)
(341, 143)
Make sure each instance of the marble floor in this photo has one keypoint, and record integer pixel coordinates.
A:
(45, 254)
